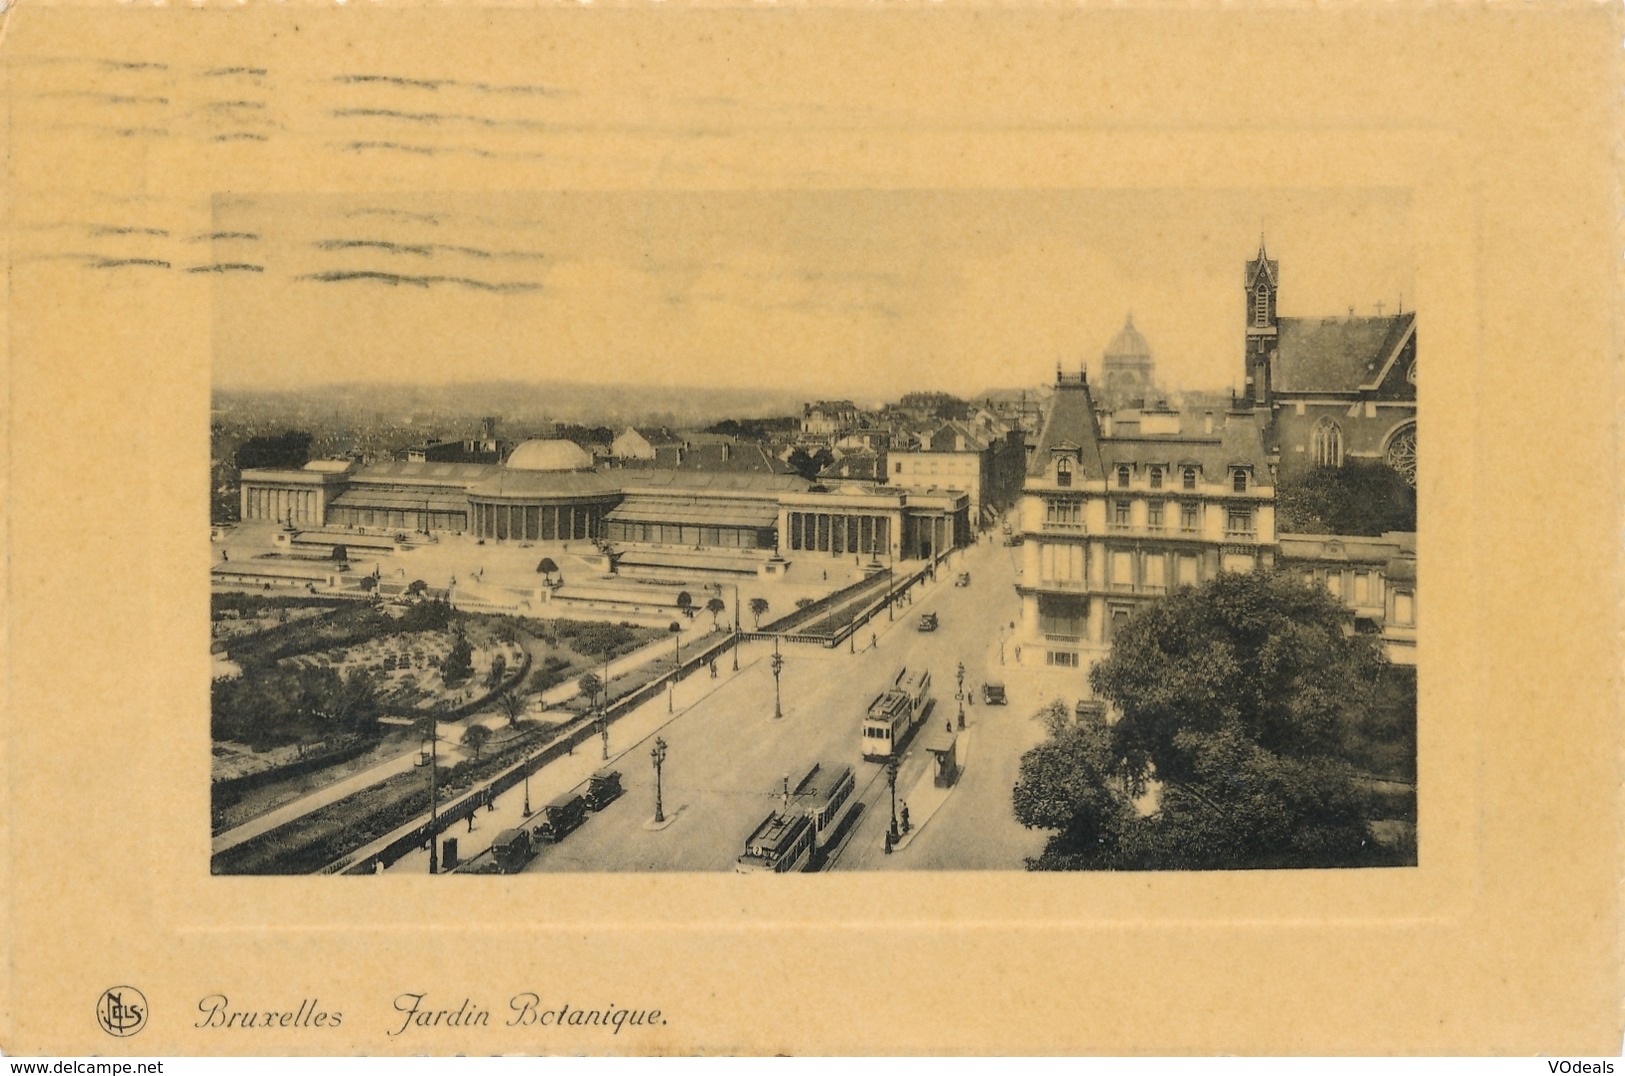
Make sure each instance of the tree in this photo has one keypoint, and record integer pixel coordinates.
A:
(341, 553)
(458, 664)
(499, 669)
(367, 583)
(475, 737)
(513, 704)
(716, 607)
(1361, 497)
(547, 567)
(415, 587)
(1237, 700)
(809, 464)
(685, 602)
(758, 606)
(590, 686)
(285, 451)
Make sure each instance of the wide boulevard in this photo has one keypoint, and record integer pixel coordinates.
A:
(727, 757)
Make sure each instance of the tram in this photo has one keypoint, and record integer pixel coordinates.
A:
(781, 844)
(895, 714)
(830, 786)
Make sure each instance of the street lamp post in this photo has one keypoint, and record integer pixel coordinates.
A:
(959, 694)
(777, 665)
(658, 754)
(735, 647)
(603, 733)
(434, 793)
(891, 782)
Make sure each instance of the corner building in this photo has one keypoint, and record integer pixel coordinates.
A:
(1110, 523)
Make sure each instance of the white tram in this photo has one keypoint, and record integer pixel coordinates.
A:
(895, 714)
(830, 786)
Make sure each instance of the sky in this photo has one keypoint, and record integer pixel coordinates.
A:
(859, 293)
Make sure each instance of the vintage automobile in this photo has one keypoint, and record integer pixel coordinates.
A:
(560, 817)
(927, 622)
(603, 788)
(993, 693)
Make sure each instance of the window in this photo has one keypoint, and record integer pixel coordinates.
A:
(1153, 515)
(1189, 478)
(1334, 583)
(1065, 658)
(1189, 514)
(1326, 444)
(1122, 569)
(1062, 616)
(1120, 513)
(1261, 305)
(1187, 570)
(1156, 478)
(1362, 588)
(1404, 608)
(1063, 472)
(1063, 513)
(1122, 476)
(1238, 480)
(1156, 571)
(1060, 562)
(899, 467)
(1238, 522)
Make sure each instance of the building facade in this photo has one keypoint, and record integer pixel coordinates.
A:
(1334, 389)
(1110, 523)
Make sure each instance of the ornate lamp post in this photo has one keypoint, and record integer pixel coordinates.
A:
(959, 694)
(658, 754)
(891, 782)
(434, 793)
(735, 647)
(777, 665)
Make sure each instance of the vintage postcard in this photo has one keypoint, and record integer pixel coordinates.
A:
(649, 529)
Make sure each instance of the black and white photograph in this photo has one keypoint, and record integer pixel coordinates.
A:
(813, 531)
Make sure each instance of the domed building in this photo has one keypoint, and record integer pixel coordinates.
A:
(546, 491)
(541, 455)
(1128, 378)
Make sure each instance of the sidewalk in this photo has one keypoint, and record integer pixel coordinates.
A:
(926, 797)
(552, 698)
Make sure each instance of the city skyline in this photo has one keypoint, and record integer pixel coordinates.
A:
(865, 294)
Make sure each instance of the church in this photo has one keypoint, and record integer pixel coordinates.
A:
(1332, 389)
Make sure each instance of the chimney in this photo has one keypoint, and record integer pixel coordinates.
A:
(1106, 424)
(1207, 422)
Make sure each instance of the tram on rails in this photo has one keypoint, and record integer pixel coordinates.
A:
(895, 714)
(781, 844)
(827, 791)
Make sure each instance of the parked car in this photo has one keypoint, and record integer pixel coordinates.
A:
(512, 850)
(603, 788)
(993, 693)
(928, 622)
(963, 580)
(560, 817)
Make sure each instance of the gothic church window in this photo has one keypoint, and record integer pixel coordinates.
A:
(1326, 444)
(1261, 306)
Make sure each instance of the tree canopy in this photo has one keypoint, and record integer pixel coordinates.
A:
(1239, 701)
(809, 464)
(1361, 497)
(283, 450)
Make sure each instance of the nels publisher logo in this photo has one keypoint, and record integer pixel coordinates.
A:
(122, 1011)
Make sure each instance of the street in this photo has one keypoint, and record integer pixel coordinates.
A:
(728, 758)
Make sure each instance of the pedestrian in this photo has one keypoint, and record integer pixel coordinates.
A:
(874, 640)
(904, 813)
(948, 724)
(1018, 653)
